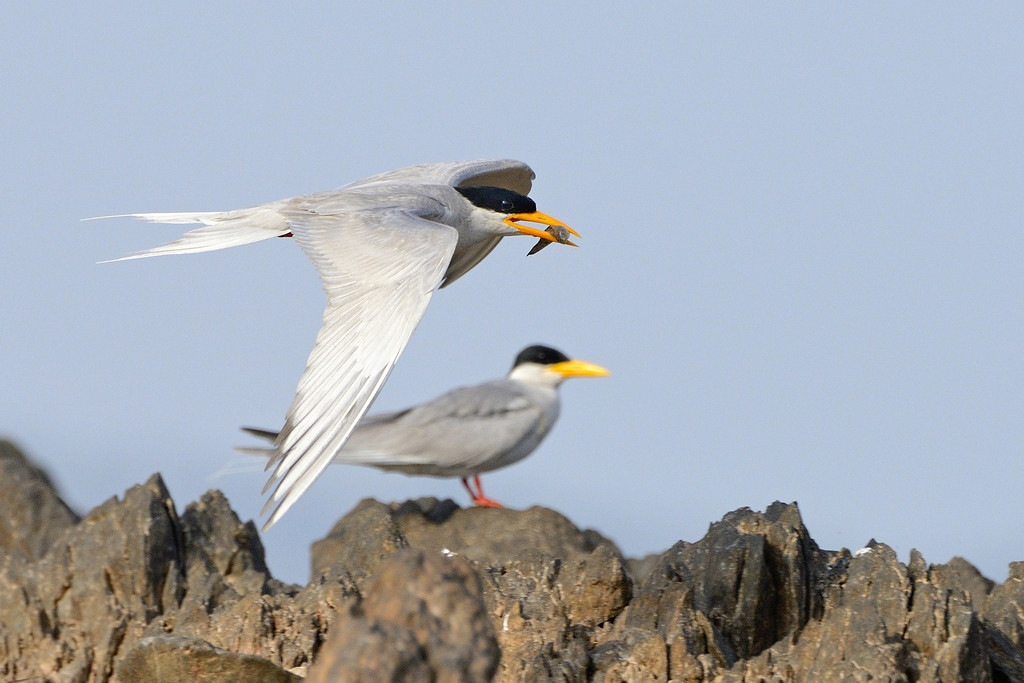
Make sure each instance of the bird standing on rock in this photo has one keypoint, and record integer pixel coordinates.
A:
(381, 247)
(469, 430)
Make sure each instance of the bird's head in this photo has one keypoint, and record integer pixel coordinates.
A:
(543, 365)
(503, 210)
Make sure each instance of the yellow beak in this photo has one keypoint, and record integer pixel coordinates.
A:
(578, 368)
(538, 217)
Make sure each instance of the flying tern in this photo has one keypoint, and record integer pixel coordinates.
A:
(381, 247)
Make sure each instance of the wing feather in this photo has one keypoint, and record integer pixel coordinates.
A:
(508, 173)
(379, 270)
(466, 430)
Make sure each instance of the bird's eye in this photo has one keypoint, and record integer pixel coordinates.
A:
(506, 206)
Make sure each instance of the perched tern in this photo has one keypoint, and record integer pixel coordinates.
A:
(469, 430)
(381, 246)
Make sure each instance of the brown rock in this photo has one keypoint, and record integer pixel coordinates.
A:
(636, 655)
(359, 541)
(882, 621)
(748, 583)
(547, 584)
(132, 568)
(1003, 621)
(493, 535)
(427, 590)
(231, 601)
(964, 575)
(370, 652)
(546, 609)
(32, 515)
(220, 543)
(422, 618)
(96, 587)
(172, 659)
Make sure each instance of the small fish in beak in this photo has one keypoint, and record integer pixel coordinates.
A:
(560, 233)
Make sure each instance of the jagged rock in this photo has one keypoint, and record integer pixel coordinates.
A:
(230, 600)
(219, 543)
(547, 584)
(32, 515)
(961, 573)
(423, 618)
(97, 586)
(427, 590)
(635, 655)
(748, 583)
(359, 541)
(172, 659)
(1003, 619)
(882, 621)
(132, 568)
(753, 576)
(546, 609)
(944, 633)
(1004, 607)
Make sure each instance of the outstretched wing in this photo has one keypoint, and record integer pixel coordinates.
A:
(508, 173)
(379, 269)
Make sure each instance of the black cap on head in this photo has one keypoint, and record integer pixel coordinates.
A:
(498, 199)
(542, 355)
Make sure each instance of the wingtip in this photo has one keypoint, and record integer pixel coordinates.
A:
(266, 487)
(267, 506)
(276, 509)
(113, 215)
(129, 257)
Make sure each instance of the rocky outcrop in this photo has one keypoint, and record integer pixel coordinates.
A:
(422, 619)
(32, 515)
(131, 569)
(169, 657)
(546, 585)
(752, 580)
(426, 590)
(1003, 624)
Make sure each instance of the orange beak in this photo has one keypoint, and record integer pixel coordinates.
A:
(578, 368)
(538, 217)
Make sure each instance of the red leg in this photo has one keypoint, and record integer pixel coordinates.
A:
(478, 496)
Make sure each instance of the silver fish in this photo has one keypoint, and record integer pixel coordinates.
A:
(560, 234)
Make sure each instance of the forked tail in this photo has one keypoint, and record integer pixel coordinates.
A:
(220, 230)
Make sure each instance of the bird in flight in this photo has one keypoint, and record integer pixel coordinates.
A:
(381, 246)
(466, 431)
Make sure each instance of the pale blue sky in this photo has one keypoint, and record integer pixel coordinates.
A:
(801, 253)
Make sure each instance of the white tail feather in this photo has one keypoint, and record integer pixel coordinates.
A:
(220, 230)
(180, 217)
